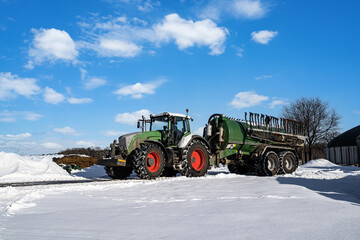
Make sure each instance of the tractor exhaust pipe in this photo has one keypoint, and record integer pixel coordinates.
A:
(143, 123)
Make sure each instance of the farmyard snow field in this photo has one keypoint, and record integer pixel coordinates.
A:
(77, 75)
(318, 201)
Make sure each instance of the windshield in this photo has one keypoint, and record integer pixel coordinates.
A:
(159, 123)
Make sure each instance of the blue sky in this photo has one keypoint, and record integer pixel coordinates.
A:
(79, 73)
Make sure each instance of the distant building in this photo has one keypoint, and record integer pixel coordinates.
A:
(345, 148)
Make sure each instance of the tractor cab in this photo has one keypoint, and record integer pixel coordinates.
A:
(173, 126)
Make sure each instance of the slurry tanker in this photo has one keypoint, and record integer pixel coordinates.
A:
(259, 144)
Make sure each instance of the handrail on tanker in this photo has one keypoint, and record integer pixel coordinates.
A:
(271, 123)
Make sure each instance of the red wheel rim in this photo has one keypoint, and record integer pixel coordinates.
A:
(198, 159)
(153, 161)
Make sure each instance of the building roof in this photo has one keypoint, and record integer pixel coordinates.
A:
(347, 138)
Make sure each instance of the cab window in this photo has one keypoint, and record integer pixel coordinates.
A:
(159, 123)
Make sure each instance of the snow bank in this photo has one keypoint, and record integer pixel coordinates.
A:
(319, 163)
(16, 168)
(324, 169)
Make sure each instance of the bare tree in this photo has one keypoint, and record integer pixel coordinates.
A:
(320, 122)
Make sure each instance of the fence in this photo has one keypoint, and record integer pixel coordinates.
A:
(348, 155)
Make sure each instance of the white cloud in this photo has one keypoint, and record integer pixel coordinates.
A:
(94, 82)
(65, 130)
(247, 99)
(239, 51)
(117, 48)
(147, 6)
(113, 133)
(357, 112)
(187, 33)
(73, 100)
(263, 77)
(12, 85)
(131, 118)
(83, 73)
(85, 144)
(91, 82)
(53, 97)
(120, 37)
(30, 147)
(51, 146)
(278, 102)
(245, 9)
(13, 116)
(250, 9)
(141, 5)
(264, 36)
(51, 45)
(17, 137)
(138, 90)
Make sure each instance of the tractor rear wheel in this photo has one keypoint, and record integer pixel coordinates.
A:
(269, 164)
(195, 159)
(118, 172)
(288, 162)
(148, 161)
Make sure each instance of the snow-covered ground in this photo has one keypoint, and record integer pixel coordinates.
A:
(319, 201)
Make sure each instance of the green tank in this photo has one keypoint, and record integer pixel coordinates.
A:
(246, 143)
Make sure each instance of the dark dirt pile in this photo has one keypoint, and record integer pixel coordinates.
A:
(82, 162)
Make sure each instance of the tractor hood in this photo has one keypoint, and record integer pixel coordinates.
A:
(125, 140)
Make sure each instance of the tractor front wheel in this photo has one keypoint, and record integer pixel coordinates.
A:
(148, 161)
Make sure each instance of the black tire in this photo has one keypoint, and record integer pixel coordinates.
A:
(118, 172)
(288, 162)
(232, 168)
(268, 165)
(169, 172)
(195, 159)
(238, 169)
(149, 161)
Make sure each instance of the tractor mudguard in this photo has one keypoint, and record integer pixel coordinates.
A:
(185, 141)
(160, 144)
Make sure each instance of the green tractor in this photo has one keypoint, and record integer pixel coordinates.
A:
(260, 144)
(167, 148)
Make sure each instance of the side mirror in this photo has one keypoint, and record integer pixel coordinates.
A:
(138, 124)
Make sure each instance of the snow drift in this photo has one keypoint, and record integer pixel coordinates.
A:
(16, 168)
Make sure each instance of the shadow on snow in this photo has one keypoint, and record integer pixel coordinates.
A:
(342, 189)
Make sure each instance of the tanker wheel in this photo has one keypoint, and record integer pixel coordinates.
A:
(288, 162)
(169, 172)
(148, 161)
(238, 169)
(269, 165)
(195, 159)
(118, 172)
